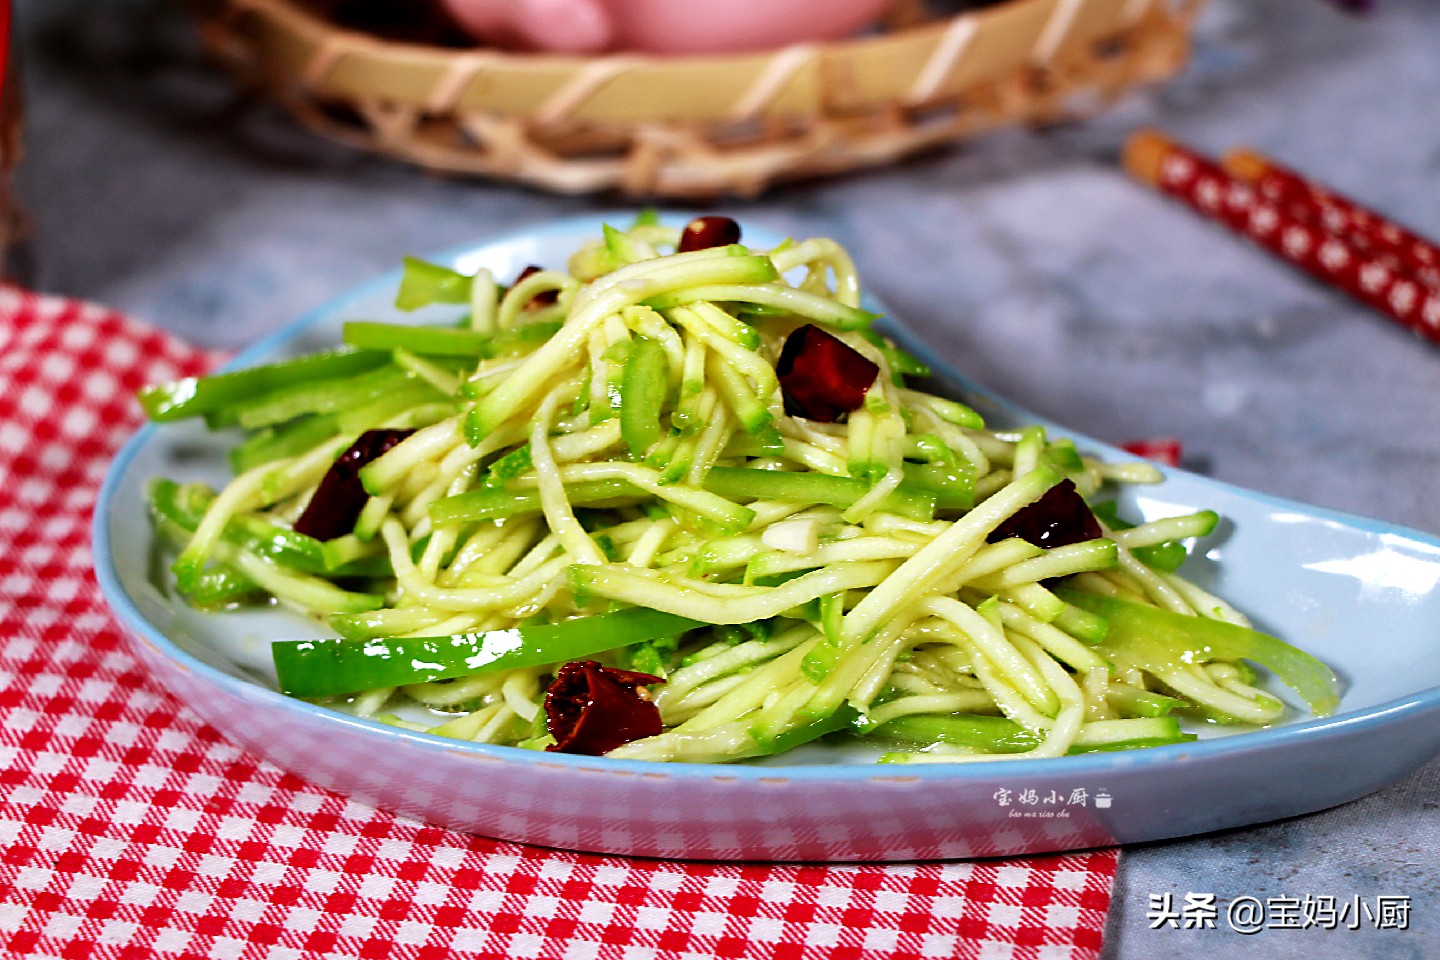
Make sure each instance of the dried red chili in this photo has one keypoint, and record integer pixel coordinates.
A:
(705, 232)
(592, 709)
(1164, 450)
(1059, 518)
(821, 376)
(542, 299)
(338, 500)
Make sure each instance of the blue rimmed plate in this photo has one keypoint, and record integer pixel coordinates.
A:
(1356, 593)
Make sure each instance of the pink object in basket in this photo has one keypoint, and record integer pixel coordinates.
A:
(661, 26)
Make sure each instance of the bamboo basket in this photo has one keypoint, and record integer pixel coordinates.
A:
(701, 127)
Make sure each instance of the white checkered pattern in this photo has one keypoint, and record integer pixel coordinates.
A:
(128, 829)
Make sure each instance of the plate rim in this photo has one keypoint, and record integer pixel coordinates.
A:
(1310, 732)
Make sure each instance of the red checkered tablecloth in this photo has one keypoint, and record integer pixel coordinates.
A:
(129, 829)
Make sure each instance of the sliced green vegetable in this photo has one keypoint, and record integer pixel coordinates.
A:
(426, 341)
(423, 284)
(1002, 735)
(411, 393)
(756, 291)
(621, 247)
(221, 585)
(386, 622)
(185, 504)
(1082, 624)
(495, 503)
(193, 397)
(952, 484)
(515, 463)
(323, 668)
(181, 507)
(822, 657)
(766, 443)
(430, 341)
(814, 488)
(845, 718)
(327, 396)
(654, 657)
(1168, 556)
(351, 556)
(285, 440)
(293, 586)
(952, 412)
(902, 364)
(642, 395)
(1157, 640)
(1063, 454)
(1141, 703)
(988, 734)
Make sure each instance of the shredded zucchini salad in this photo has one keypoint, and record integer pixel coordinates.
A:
(678, 501)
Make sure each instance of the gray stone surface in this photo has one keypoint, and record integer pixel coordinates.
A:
(1028, 258)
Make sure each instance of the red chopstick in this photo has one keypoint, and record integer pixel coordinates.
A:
(1339, 215)
(1373, 277)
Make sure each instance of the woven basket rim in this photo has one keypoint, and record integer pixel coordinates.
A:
(697, 125)
(903, 68)
(317, 24)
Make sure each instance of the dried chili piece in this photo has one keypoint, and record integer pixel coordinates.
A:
(592, 709)
(542, 299)
(702, 233)
(1164, 450)
(821, 376)
(338, 500)
(1059, 518)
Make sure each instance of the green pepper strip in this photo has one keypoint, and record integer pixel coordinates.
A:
(183, 505)
(642, 395)
(425, 283)
(215, 586)
(952, 484)
(902, 364)
(442, 341)
(495, 503)
(220, 586)
(766, 443)
(286, 440)
(844, 718)
(1158, 639)
(740, 482)
(1062, 453)
(1167, 557)
(322, 668)
(510, 466)
(426, 341)
(1083, 625)
(1002, 735)
(1133, 702)
(621, 247)
(817, 308)
(728, 482)
(990, 734)
(192, 397)
(326, 396)
(371, 413)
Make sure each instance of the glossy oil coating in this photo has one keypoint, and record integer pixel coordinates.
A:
(1030, 260)
(1319, 579)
